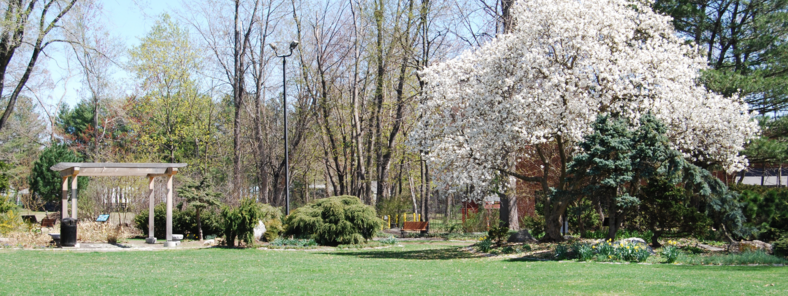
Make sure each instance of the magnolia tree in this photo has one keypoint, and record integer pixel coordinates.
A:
(537, 91)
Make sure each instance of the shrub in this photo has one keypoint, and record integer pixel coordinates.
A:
(584, 251)
(240, 222)
(665, 207)
(498, 234)
(9, 221)
(184, 222)
(334, 220)
(6, 204)
(561, 252)
(273, 228)
(780, 247)
(535, 224)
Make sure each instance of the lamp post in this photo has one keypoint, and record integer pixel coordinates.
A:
(293, 44)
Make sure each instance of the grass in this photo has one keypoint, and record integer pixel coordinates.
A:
(416, 269)
(758, 257)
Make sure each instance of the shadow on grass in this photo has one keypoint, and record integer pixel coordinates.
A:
(427, 254)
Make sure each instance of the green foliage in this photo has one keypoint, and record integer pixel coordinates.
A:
(615, 161)
(4, 177)
(391, 240)
(240, 222)
(766, 210)
(562, 252)
(485, 245)
(334, 220)
(177, 116)
(780, 247)
(10, 221)
(671, 253)
(47, 184)
(498, 234)
(748, 257)
(745, 46)
(199, 195)
(184, 222)
(282, 242)
(665, 207)
(273, 228)
(6, 204)
(534, 224)
(583, 251)
(610, 251)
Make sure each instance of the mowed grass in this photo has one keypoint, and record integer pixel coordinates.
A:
(415, 269)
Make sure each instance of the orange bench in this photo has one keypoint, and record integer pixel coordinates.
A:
(415, 226)
(48, 222)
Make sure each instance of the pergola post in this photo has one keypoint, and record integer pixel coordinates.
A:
(151, 200)
(64, 199)
(74, 196)
(169, 242)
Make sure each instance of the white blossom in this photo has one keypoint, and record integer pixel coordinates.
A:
(565, 62)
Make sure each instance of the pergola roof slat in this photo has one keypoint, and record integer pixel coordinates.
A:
(109, 169)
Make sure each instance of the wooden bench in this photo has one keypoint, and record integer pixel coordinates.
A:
(414, 226)
(46, 222)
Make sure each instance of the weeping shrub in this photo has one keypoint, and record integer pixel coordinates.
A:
(333, 221)
(240, 222)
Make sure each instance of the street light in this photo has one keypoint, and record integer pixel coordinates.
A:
(293, 45)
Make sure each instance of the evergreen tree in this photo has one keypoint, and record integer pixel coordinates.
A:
(199, 195)
(45, 183)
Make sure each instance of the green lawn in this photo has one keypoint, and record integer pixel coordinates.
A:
(416, 269)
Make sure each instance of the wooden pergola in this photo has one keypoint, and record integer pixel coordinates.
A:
(97, 169)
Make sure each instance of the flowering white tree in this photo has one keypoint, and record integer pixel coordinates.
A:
(541, 86)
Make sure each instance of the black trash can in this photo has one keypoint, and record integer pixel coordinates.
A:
(68, 232)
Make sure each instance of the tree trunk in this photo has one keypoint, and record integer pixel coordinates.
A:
(238, 104)
(199, 223)
(426, 212)
(514, 217)
(612, 215)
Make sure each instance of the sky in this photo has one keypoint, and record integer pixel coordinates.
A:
(126, 20)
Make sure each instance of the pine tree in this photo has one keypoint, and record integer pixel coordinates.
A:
(199, 195)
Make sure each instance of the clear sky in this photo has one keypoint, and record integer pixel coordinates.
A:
(126, 20)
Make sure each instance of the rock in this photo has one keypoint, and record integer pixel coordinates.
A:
(209, 242)
(522, 236)
(4, 240)
(751, 246)
(710, 248)
(259, 230)
(177, 237)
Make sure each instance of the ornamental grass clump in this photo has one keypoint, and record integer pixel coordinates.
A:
(333, 221)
